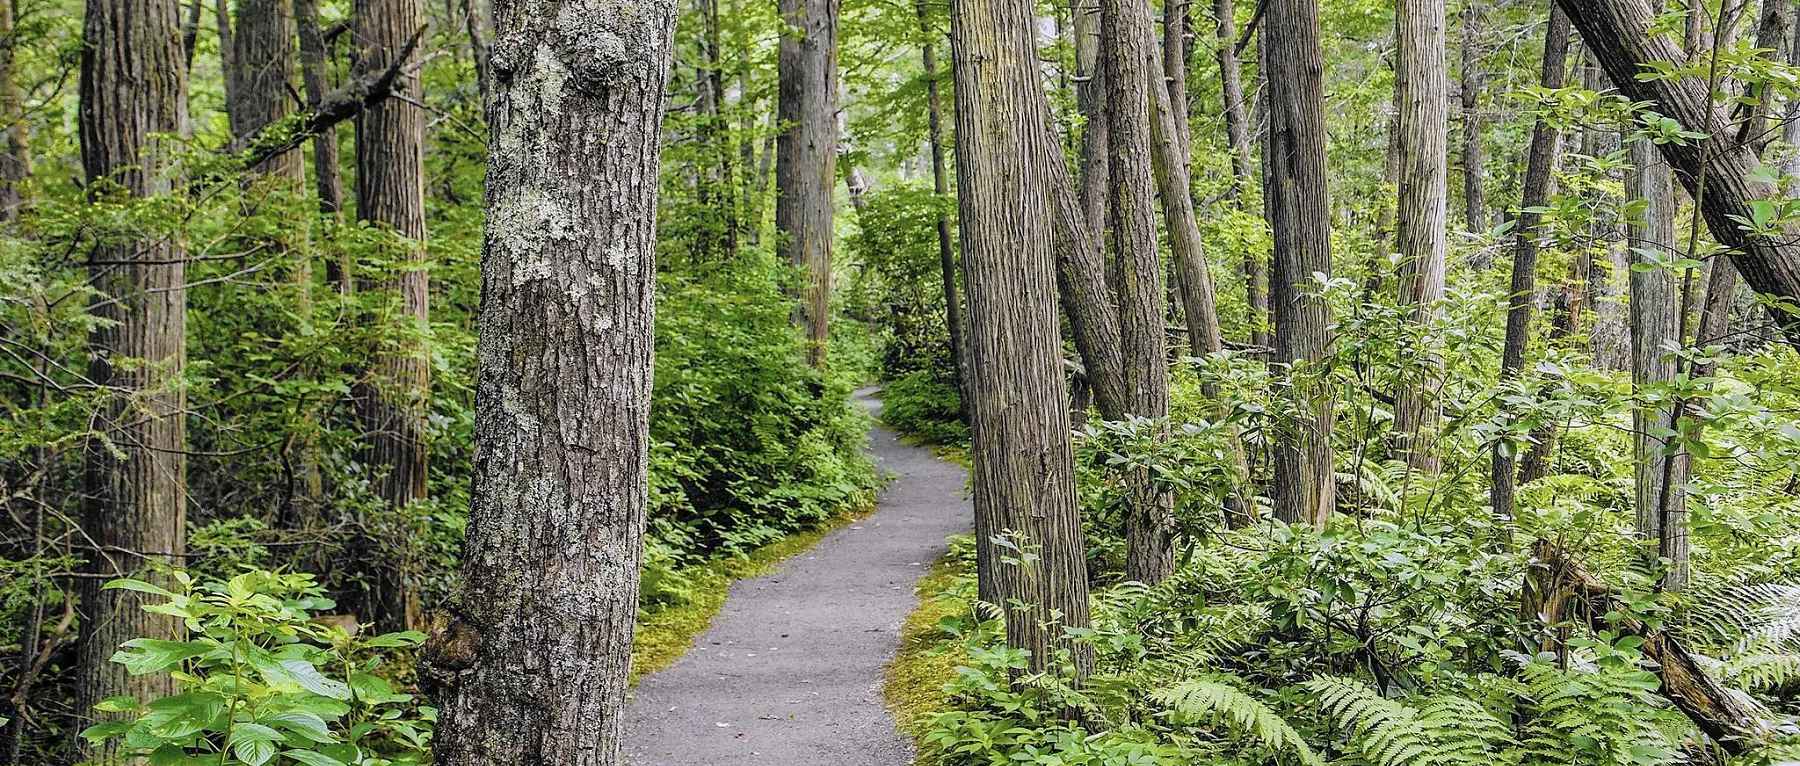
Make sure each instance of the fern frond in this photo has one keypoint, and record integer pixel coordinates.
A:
(1223, 703)
(1444, 731)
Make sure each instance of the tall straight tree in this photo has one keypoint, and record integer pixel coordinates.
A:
(15, 143)
(1128, 47)
(1299, 213)
(390, 194)
(315, 63)
(1090, 101)
(1540, 162)
(1423, 96)
(806, 157)
(264, 57)
(133, 88)
(1474, 152)
(537, 655)
(1661, 465)
(940, 185)
(1237, 133)
(1008, 165)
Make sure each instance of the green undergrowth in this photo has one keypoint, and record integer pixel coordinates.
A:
(667, 632)
(915, 685)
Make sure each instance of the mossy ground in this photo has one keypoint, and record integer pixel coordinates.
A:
(665, 635)
(927, 659)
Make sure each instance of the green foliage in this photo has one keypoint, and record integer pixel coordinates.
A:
(1222, 702)
(257, 681)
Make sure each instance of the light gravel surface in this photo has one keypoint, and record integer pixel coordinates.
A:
(790, 672)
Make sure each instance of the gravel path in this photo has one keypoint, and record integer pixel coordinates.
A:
(790, 672)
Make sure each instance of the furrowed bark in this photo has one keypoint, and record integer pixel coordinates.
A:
(1009, 169)
(1422, 92)
(315, 62)
(15, 138)
(532, 662)
(1661, 467)
(1474, 153)
(133, 87)
(806, 158)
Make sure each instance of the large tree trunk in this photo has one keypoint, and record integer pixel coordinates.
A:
(806, 157)
(15, 139)
(1661, 465)
(1607, 271)
(940, 185)
(390, 194)
(534, 660)
(1617, 32)
(133, 86)
(1128, 49)
(1237, 133)
(1422, 91)
(264, 60)
(1008, 168)
(1540, 162)
(1474, 153)
(1299, 213)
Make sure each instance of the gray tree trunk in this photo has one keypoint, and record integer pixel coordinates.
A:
(15, 138)
(390, 194)
(263, 57)
(133, 87)
(1243, 176)
(315, 63)
(1090, 100)
(1661, 472)
(940, 185)
(806, 158)
(1609, 335)
(1474, 153)
(535, 656)
(1540, 164)
(1422, 91)
(1008, 169)
(1299, 212)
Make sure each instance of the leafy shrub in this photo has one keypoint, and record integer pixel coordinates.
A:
(259, 681)
(922, 404)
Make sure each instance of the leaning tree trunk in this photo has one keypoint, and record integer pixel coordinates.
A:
(390, 194)
(1617, 31)
(806, 158)
(1237, 133)
(1299, 213)
(15, 140)
(1540, 162)
(133, 88)
(1661, 465)
(1422, 90)
(1127, 48)
(535, 657)
(940, 185)
(1008, 164)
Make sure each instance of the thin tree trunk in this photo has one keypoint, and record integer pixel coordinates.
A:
(315, 60)
(1540, 163)
(1617, 32)
(1127, 51)
(1243, 176)
(478, 24)
(1090, 100)
(1008, 164)
(133, 86)
(190, 32)
(536, 656)
(1474, 152)
(228, 66)
(1607, 280)
(806, 158)
(1422, 91)
(940, 185)
(1299, 213)
(719, 174)
(15, 138)
(390, 194)
(1655, 328)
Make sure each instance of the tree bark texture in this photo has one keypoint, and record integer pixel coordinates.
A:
(264, 57)
(1661, 474)
(1540, 164)
(315, 67)
(535, 655)
(15, 138)
(940, 185)
(390, 194)
(1299, 212)
(1008, 164)
(1616, 31)
(1243, 176)
(133, 87)
(1423, 98)
(1607, 274)
(1091, 101)
(806, 157)
(1474, 152)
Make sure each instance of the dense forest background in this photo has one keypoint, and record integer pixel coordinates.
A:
(1351, 381)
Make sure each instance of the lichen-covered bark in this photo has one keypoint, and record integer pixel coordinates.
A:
(1299, 212)
(133, 87)
(390, 194)
(1422, 92)
(1008, 165)
(15, 139)
(1540, 161)
(1661, 473)
(531, 662)
(806, 157)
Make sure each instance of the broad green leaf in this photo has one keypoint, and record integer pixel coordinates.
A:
(136, 585)
(313, 681)
(311, 758)
(149, 655)
(402, 638)
(301, 723)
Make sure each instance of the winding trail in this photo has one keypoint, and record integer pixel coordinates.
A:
(790, 672)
